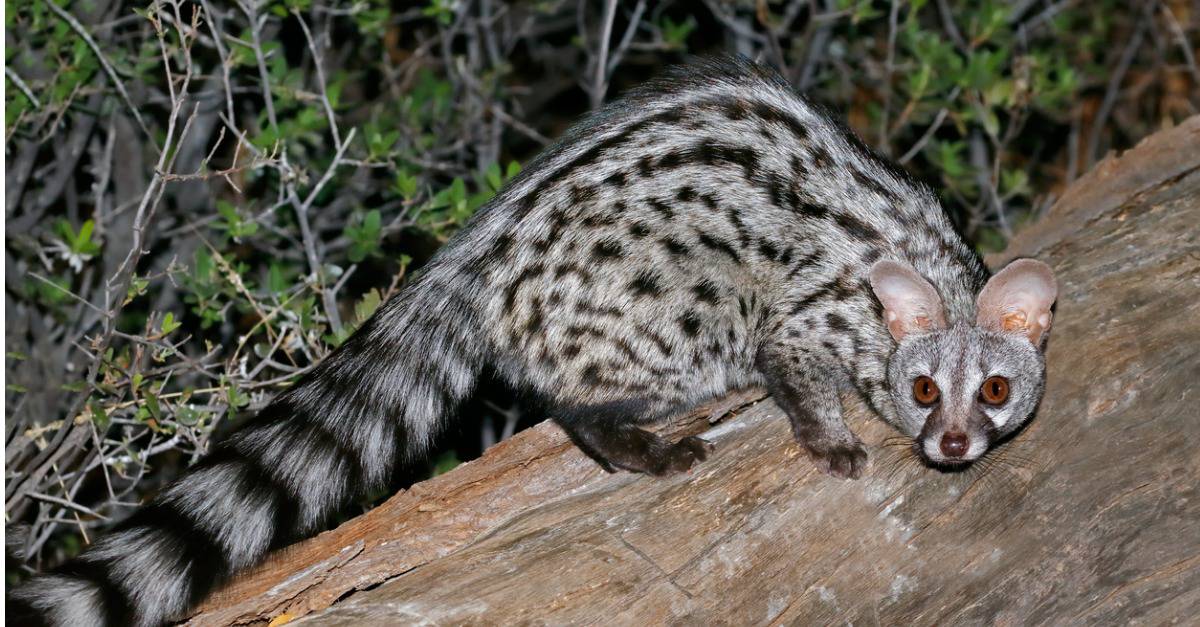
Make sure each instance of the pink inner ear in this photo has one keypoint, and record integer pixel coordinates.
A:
(1018, 300)
(910, 303)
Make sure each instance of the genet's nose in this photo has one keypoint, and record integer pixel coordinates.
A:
(954, 444)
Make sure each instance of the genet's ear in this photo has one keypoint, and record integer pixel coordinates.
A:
(910, 304)
(1018, 300)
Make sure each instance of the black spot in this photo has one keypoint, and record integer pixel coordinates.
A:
(821, 157)
(498, 248)
(709, 201)
(616, 179)
(661, 207)
(811, 210)
(582, 194)
(736, 109)
(745, 157)
(857, 228)
(570, 350)
(710, 152)
(580, 330)
(685, 193)
(814, 296)
(657, 339)
(591, 376)
(646, 166)
(718, 245)
(563, 269)
(799, 171)
(535, 321)
(672, 159)
(736, 221)
(510, 292)
(837, 322)
(873, 184)
(638, 229)
(646, 283)
(768, 250)
(775, 115)
(706, 292)
(587, 308)
(674, 246)
(690, 323)
(606, 249)
(805, 262)
(871, 256)
(598, 219)
(558, 222)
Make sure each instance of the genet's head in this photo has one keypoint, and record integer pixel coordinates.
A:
(960, 388)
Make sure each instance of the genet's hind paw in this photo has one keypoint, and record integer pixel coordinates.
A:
(842, 460)
(682, 455)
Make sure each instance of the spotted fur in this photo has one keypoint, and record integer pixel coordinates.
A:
(710, 231)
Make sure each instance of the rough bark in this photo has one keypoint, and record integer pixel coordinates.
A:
(1089, 516)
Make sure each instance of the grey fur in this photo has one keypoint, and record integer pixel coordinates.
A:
(708, 232)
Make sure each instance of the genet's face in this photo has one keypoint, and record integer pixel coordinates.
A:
(958, 390)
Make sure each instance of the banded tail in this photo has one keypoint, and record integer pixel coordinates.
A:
(337, 435)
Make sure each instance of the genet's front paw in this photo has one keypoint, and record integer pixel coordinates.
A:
(839, 459)
(683, 455)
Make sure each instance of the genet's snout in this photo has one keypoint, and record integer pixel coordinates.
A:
(954, 444)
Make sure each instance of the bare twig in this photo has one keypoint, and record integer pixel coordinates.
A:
(16, 80)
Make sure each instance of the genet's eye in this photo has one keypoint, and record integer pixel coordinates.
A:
(994, 391)
(925, 391)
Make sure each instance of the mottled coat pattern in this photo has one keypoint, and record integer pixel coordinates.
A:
(710, 231)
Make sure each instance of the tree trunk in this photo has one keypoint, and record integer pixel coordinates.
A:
(1090, 515)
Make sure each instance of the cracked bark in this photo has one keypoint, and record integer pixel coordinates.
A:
(1089, 516)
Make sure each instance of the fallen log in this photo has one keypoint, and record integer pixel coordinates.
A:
(1090, 515)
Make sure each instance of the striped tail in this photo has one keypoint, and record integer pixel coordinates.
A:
(337, 435)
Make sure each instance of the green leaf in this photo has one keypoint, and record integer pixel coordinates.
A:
(169, 323)
(276, 282)
(365, 237)
(152, 405)
(99, 416)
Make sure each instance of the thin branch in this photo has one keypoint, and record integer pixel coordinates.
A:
(16, 80)
(600, 79)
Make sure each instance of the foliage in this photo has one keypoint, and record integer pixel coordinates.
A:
(205, 198)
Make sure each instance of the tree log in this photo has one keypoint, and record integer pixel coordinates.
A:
(1090, 515)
